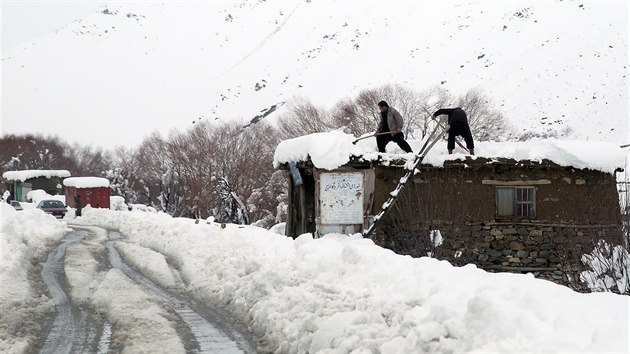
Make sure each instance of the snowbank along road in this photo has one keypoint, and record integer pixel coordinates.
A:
(104, 304)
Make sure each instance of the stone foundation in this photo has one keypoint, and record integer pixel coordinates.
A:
(549, 251)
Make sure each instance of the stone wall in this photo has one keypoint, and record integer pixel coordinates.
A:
(574, 210)
(549, 251)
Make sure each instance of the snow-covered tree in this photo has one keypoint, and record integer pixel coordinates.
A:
(609, 268)
(268, 204)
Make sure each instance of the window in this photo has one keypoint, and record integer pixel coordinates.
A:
(52, 204)
(516, 201)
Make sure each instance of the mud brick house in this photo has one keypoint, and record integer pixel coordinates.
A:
(19, 183)
(518, 207)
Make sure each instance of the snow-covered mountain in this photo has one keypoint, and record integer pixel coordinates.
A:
(128, 69)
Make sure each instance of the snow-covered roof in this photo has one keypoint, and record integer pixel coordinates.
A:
(28, 174)
(86, 182)
(326, 150)
(334, 149)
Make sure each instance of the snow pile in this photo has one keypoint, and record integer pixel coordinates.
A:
(117, 203)
(327, 150)
(24, 175)
(280, 228)
(86, 182)
(143, 208)
(37, 195)
(344, 294)
(25, 238)
(334, 149)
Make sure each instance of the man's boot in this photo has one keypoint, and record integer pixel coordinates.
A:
(450, 151)
(472, 151)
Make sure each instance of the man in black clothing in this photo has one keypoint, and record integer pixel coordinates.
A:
(391, 122)
(78, 205)
(458, 122)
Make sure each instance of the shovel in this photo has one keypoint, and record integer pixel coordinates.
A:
(446, 130)
(369, 136)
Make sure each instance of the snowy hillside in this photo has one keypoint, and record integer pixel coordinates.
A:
(132, 68)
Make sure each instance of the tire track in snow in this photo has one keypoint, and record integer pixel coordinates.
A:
(207, 337)
(73, 330)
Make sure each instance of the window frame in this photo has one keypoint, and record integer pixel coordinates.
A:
(515, 203)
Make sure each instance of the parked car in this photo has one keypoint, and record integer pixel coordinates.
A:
(54, 207)
(15, 204)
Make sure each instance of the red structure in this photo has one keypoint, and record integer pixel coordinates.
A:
(92, 190)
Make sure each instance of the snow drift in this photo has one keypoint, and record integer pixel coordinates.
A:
(25, 237)
(345, 294)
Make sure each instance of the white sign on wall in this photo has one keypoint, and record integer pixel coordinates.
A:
(341, 198)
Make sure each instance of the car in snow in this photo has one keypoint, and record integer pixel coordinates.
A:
(54, 207)
(16, 205)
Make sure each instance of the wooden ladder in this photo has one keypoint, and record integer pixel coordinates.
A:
(432, 139)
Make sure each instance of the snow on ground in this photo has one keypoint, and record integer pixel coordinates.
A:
(25, 238)
(142, 326)
(333, 149)
(343, 294)
(279, 228)
(86, 182)
(334, 294)
(148, 262)
(133, 310)
(81, 269)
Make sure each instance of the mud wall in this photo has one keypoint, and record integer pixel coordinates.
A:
(574, 209)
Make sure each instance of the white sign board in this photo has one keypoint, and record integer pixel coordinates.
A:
(341, 198)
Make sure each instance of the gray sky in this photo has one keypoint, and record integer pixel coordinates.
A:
(23, 21)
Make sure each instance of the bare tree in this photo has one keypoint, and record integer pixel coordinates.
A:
(267, 204)
(123, 176)
(24, 152)
(243, 160)
(160, 175)
(303, 117)
(361, 114)
(486, 122)
(214, 167)
(90, 161)
(431, 100)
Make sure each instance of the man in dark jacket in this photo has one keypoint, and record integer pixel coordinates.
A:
(78, 204)
(458, 122)
(391, 122)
